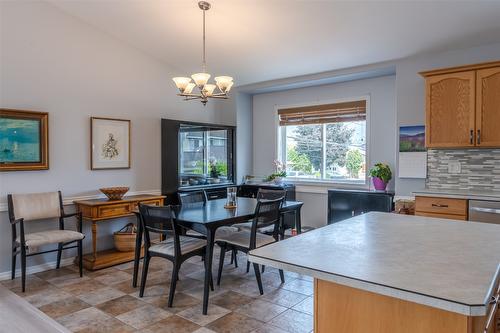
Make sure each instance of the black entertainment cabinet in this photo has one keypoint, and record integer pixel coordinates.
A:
(343, 204)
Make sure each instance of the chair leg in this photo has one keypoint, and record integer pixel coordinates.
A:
(59, 253)
(173, 284)
(248, 266)
(232, 258)
(145, 266)
(221, 262)
(235, 254)
(80, 257)
(14, 257)
(23, 268)
(259, 280)
(282, 276)
(263, 268)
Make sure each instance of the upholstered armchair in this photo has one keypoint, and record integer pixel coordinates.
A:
(37, 206)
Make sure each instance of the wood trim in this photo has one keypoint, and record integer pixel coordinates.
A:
(43, 117)
(129, 142)
(462, 68)
(442, 216)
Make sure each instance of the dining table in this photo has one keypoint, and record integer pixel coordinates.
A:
(206, 218)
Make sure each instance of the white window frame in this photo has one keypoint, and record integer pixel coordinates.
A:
(281, 144)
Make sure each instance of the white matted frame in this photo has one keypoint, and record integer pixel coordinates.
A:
(109, 143)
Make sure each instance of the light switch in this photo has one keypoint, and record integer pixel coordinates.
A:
(454, 167)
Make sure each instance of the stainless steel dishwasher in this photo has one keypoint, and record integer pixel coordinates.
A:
(484, 211)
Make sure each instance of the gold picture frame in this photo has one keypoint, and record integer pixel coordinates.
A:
(24, 140)
(110, 143)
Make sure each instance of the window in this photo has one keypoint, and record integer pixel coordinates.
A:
(325, 142)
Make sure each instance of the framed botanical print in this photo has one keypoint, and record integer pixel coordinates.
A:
(110, 143)
(24, 140)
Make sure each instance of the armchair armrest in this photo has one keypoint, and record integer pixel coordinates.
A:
(71, 214)
(79, 221)
(21, 220)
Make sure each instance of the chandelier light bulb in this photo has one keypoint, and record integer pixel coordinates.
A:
(200, 79)
(223, 82)
(182, 83)
(208, 89)
(189, 88)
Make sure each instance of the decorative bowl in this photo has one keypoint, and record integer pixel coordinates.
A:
(114, 193)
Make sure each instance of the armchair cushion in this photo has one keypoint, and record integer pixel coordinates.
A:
(242, 239)
(36, 239)
(36, 206)
(188, 244)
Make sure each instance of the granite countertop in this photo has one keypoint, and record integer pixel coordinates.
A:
(459, 194)
(441, 263)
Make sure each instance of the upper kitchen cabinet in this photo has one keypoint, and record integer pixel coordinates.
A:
(463, 106)
(488, 107)
(450, 110)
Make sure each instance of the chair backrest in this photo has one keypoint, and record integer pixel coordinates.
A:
(267, 212)
(270, 194)
(160, 220)
(35, 206)
(192, 197)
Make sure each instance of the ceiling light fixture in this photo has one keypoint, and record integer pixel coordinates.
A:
(206, 90)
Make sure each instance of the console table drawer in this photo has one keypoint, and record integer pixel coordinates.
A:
(114, 210)
(135, 205)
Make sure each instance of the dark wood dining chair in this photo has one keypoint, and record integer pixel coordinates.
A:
(267, 213)
(200, 197)
(41, 206)
(175, 247)
(264, 194)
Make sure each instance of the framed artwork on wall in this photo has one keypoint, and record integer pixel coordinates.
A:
(24, 140)
(109, 143)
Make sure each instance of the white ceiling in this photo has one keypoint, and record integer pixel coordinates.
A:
(260, 40)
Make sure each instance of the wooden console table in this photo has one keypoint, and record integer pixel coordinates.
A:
(100, 210)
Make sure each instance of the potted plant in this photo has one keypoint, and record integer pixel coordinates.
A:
(279, 174)
(381, 175)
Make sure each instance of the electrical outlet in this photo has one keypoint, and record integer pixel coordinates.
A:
(454, 167)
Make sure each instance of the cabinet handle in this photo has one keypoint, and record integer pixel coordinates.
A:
(471, 137)
(478, 136)
(439, 206)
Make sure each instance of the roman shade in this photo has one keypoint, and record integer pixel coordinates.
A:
(324, 113)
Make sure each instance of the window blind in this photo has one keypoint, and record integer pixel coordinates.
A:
(321, 114)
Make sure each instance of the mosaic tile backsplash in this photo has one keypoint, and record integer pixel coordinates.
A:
(480, 169)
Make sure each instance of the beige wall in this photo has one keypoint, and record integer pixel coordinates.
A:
(50, 61)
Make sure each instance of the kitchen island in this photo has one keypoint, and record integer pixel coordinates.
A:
(389, 273)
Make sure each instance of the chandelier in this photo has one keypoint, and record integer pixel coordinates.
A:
(206, 90)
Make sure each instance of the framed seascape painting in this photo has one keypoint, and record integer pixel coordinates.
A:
(24, 140)
(110, 143)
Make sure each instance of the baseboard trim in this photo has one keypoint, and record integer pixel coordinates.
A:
(38, 268)
(69, 200)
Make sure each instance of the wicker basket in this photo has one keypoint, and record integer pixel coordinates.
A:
(114, 193)
(125, 238)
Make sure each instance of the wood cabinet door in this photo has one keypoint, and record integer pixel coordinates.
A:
(488, 107)
(450, 113)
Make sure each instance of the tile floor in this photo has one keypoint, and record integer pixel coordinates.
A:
(104, 300)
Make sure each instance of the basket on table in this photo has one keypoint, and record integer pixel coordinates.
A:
(125, 238)
(114, 193)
